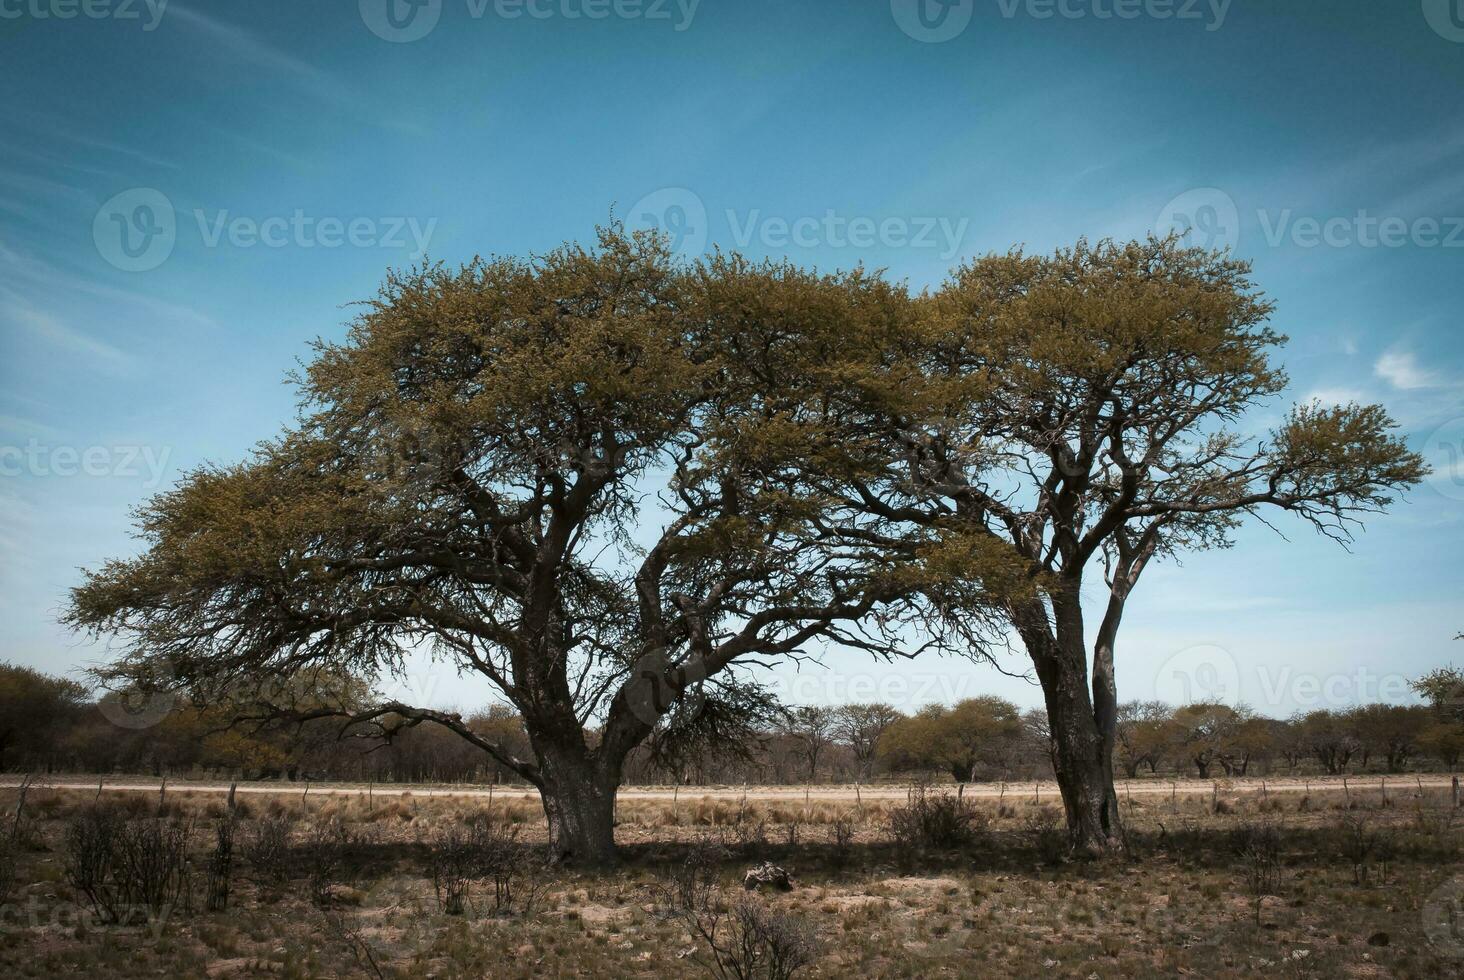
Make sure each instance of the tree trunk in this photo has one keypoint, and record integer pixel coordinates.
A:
(1082, 758)
(579, 802)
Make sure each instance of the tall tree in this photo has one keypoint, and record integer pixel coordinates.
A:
(813, 726)
(1081, 413)
(860, 726)
(542, 470)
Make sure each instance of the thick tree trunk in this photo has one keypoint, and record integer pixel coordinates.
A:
(1082, 756)
(579, 802)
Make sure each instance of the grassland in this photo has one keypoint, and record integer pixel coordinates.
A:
(1350, 883)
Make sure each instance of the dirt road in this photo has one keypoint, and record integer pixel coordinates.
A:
(1396, 784)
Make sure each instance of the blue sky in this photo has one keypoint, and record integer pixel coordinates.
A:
(268, 161)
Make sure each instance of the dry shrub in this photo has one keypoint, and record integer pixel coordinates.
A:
(267, 847)
(1259, 846)
(936, 819)
(693, 881)
(220, 868)
(1044, 832)
(324, 854)
(749, 939)
(841, 837)
(9, 858)
(123, 866)
(485, 854)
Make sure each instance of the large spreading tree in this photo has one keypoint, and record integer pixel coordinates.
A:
(546, 472)
(1074, 416)
(603, 481)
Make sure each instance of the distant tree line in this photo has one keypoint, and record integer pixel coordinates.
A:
(55, 725)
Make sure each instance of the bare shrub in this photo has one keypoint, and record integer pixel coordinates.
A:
(220, 868)
(936, 819)
(748, 939)
(122, 867)
(1259, 846)
(452, 864)
(9, 857)
(1042, 830)
(266, 848)
(693, 882)
(322, 853)
(1359, 840)
(752, 835)
(484, 853)
(841, 836)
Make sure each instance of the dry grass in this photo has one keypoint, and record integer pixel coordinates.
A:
(1352, 874)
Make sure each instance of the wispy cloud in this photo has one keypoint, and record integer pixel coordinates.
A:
(1402, 370)
(244, 45)
(24, 268)
(57, 333)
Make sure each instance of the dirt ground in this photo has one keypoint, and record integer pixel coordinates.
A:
(1353, 883)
